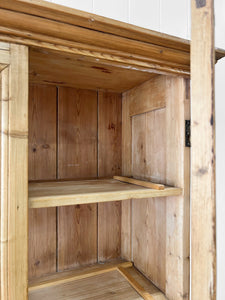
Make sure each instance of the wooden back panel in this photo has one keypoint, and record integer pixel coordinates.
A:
(73, 134)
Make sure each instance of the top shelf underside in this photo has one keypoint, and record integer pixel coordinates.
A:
(62, 193)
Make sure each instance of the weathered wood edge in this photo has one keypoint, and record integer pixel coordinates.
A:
(203, 193)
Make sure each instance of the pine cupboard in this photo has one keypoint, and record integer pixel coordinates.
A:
(98, 146)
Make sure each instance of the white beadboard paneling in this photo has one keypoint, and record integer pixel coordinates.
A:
(220, 23)
(85, 5)
(114, 9)
(145, 13)
(220, 177)
(174, 17)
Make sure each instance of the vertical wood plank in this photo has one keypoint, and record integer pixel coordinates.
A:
(42, 132)
(109, 164)
(177, 174)
(42, 242)
(42, 165)
(4, 181)
(18, 174)
(77, 236)
(203, 223)
(149, 249)
(77, 133)
(126, 206)
(77, 159)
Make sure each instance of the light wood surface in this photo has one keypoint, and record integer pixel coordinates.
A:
(143, 183)
(42, 132)
(203, 198)
(4, 125)
(159, 155)
(145, 295)
(5, 55)
(109, 164)
(49, 67)
(115, 280)
(177, 173)
(42, 154)
(49, 26)
(77, 274)
(17, 174)
(147, 97)
(77, 130)
(77, 236)
(77, 158)
(149, 157)
(50, 194)
(126, 206)
(159, 57)
(110, 285)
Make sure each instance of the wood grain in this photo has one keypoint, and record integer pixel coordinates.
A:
(4, 103)
(77, 274)
(42, 165)
(136, 285)
(149, 250)
(77, 158)
(77, 236)
(143, 183)
(147, 97)
(42, 242)
(92, 283)
(61, 30)
(111, 286)
(50, 67)
(18, 173)
(42, 132)
(203, 203)
(177, 208)
(77, 155)
(92, 21)
(126, 206)
(109, 164)
(63, 193)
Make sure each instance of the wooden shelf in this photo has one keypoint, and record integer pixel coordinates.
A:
(62, 193)
(111, 280)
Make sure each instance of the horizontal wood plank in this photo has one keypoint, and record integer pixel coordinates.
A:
(51, 194)
(147, 97)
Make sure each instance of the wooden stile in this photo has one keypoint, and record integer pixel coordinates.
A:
(203, 211)
(14, 183)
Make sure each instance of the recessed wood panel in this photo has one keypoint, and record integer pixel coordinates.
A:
(109, 164)
(42, 165)
(77, 158)
(149, 215)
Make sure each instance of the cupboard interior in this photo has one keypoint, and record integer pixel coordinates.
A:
(88, 121)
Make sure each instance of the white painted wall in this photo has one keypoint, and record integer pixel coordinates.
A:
(174, 17)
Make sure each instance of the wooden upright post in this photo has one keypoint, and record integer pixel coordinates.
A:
(203, 224)
(14, 175)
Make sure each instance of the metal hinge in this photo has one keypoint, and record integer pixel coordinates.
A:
(187, 133)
